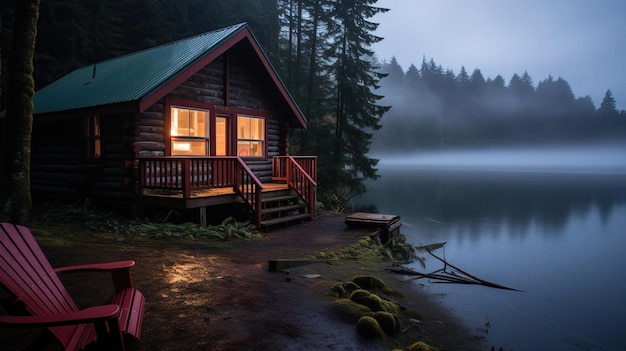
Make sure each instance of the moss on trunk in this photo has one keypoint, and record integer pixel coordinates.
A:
(19, 116)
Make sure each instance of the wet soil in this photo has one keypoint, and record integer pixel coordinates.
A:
(213, 295)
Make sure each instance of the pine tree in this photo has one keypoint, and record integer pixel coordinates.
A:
(463, 79)
(395, 74)
(477, 82)
(356, 109)
(521, 86)
(608, 105)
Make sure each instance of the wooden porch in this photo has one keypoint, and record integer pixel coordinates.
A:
(199, 182)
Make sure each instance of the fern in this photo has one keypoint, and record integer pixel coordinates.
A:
(430, 247)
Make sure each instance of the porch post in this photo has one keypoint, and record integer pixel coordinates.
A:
(186, 178)
(203, 219)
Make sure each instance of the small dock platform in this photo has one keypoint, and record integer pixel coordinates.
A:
(388, 225)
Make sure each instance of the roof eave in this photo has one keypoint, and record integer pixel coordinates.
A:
(101, 110)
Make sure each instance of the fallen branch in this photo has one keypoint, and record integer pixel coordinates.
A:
(457, 275)
(478, 280)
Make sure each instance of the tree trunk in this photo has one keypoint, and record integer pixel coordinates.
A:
(16, 199)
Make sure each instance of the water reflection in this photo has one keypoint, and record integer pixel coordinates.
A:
(557, 237)
(515, 200)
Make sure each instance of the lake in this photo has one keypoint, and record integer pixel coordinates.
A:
(550, 223)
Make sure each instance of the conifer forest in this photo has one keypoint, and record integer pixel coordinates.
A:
(354, 102)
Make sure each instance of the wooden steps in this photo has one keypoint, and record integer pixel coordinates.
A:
(282, 207)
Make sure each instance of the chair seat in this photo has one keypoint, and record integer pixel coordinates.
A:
(132, 303)
(37, 291)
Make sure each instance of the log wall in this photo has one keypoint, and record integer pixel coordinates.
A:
(55, 157)
(59, 168)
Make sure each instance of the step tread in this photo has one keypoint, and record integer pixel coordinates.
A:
(285, 219)
(279, 198)
(282, 208)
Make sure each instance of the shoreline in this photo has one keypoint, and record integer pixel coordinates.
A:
(220, 295)
(439, 327)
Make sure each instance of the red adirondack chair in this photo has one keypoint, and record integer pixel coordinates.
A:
(37, 291)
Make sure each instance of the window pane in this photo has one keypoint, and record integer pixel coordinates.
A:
(189, 147)
(186, 122)
(250, 148)
(250, 128)
(92, 147)
(250, 136)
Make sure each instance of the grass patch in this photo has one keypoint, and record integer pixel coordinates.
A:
(53, 221)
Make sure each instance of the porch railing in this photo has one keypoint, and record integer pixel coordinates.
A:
(300, 173)
(280, 166)
(185, 175)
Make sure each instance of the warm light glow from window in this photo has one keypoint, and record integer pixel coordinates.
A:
(250, 136)
(91, 137)
(189, 129)
(182, 146)
(174, 128)
(187, 122)
(221, 136)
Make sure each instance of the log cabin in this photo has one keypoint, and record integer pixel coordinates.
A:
(198, 123)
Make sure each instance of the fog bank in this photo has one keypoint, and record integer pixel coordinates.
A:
(607, 159)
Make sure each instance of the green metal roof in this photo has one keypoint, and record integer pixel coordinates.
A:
(127, 78)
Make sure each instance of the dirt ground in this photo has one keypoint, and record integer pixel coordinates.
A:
(210, 295)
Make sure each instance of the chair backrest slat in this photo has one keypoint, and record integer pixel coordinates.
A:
(26, 273)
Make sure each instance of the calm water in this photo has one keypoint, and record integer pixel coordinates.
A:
(559, 235)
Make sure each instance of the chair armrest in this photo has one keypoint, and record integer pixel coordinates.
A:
(88, 315)
(96, 267)
(120, 272)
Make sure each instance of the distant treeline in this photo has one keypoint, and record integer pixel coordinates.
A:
(433, 108)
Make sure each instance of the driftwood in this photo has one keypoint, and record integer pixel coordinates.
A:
(456, 275)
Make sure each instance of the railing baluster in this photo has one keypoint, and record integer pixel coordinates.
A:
(191, 174)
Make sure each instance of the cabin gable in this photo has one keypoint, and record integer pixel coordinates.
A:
(92, 151)
(228, 86)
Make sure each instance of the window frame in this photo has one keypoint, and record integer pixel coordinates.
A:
(263, 140)
(187, 105)
(214, 111)
(92, 139)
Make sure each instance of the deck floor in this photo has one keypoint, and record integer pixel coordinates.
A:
(267, 187)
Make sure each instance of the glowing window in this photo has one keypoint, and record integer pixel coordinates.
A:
(189, 130)
(250, 136)
(92, 149)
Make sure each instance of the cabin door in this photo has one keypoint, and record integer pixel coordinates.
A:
(222, 146)
(222, 135)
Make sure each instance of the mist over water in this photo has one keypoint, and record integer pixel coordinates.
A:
(548, 221)
(599, 159)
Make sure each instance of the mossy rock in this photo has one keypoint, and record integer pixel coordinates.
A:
(368, 299)
(349, 310)
(372, 283)
(389, 322)
(338, 290)
(368, 282)
(391, 306)
(349, 287)
(325, 256)
(369, 328)
(422, 346)
(344, 289)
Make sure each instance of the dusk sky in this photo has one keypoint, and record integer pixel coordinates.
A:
(583, 41)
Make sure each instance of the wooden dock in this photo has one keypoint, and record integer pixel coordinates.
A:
(388, 225)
